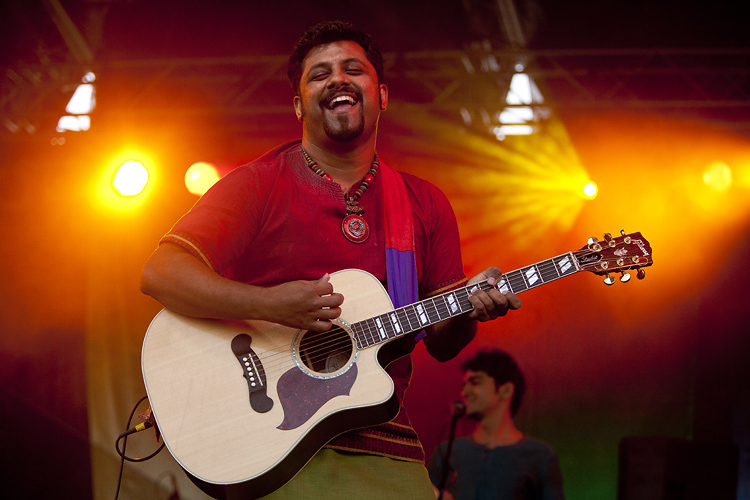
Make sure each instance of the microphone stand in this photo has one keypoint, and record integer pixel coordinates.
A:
(458, 411)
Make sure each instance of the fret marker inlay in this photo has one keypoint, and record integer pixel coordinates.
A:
(564, 264)
(422, 314)
(396, 324)
(452, 303)
(532, 276)
(379, 324)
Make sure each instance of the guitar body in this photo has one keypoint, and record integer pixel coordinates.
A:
(232, 400)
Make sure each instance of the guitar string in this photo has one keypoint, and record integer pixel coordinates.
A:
(339, 338)
(362, 336)
(320, 352)
(342, 340)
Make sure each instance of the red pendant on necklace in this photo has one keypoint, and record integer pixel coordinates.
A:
(355, 228)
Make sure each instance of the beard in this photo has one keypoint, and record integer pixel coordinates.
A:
(341, 130)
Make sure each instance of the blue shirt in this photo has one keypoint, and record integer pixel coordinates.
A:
(526, 470)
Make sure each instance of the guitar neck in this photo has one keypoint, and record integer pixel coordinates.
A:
(419, 315)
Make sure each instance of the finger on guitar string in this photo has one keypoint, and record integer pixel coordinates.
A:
(308, 305)
(493, 303)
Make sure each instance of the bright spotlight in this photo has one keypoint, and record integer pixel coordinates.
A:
(79, 107)
(590, 190)
(718, 176)
(73, 123)
(130, 179)
(83, 100)
(504, 130)
(200, 177)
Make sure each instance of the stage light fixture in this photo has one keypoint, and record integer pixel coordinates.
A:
(73, 123)
(80, 106)
(504, 130)
(200, 177)
(523, 90)
(83, 101)
(516, 115)
(130, 179)
(519, 116)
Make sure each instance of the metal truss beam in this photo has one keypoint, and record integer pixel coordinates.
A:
(708, 84)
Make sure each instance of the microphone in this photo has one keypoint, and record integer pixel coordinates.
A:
(138, 428)
(458, 409)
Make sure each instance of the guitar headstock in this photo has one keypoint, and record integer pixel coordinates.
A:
(620, 254)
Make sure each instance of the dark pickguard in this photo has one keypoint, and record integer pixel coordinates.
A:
(301, 395)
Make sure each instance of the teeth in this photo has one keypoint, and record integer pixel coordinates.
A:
(342, 98)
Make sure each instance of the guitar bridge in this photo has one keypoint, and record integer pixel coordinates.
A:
(253, 372)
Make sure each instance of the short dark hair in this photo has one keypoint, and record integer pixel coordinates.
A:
(502, 368)
(329, 32)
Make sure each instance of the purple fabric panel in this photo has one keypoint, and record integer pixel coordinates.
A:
(402, 279)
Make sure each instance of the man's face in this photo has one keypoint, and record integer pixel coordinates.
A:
(340, 98)
(479, 394)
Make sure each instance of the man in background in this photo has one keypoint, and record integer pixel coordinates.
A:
(497, 461)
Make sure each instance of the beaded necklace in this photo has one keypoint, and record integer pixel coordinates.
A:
(353, 226)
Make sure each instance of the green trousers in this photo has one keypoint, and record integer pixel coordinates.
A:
(332, 475)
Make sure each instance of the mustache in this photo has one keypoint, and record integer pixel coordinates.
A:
(329, 96)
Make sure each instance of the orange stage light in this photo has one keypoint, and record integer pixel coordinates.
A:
(130, 179)
(125, 182)
(200, 177)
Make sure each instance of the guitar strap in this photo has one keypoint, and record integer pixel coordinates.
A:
(401, 267)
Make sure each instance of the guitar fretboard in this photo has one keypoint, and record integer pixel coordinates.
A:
(419, 315)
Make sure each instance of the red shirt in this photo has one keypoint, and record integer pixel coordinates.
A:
(275, 220)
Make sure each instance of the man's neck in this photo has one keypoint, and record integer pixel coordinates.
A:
(496, 429)
(345, 166)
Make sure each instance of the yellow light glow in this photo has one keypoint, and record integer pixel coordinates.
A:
(742, 174)
(718, 176)
(525, 189)
(200, 177)
(103, 189)
(130, 179)
(590, 190)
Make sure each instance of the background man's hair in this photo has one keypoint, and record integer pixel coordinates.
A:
(329, 32)
(502, 368)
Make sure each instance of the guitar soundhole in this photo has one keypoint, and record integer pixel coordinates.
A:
(326, 352)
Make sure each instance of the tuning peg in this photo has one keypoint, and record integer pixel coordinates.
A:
(607, 236)
(625, 277)
(640, 274)
(622, 232)
(609, 280)
(593, 240)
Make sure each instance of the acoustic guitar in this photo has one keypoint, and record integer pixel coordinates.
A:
(243, 406)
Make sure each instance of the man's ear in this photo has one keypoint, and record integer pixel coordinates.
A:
(383, 97)
(506, 390)
(298, 107)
